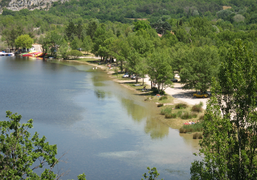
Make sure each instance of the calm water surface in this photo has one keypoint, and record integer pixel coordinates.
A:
(103, 129)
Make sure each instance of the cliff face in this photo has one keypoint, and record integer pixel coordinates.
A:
(16, 5)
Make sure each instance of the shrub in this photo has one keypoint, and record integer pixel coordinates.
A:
(182, 130)
(197, 127)
(165, 111)
(197, 108)
(163, 98)
(159, 105)
(181, 106)
(75, 53)
(162, 92)
(197, 136)
(187, 115)
(170, 115)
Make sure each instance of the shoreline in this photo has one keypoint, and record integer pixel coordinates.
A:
(172, 123)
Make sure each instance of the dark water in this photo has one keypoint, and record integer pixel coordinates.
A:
(103, 129)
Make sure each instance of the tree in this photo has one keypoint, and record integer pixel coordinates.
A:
(229, 139)
(159, 68)
(87, 44)
(201, 65)
(20, 154)
(70, 30)
(141, 25)
(24, 41)
(63, 50)
(153, 174)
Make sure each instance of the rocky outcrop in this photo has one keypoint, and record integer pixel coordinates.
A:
(16, 5)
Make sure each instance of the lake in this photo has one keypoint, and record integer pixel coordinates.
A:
(103, 129)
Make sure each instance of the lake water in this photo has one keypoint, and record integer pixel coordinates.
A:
(104, 130)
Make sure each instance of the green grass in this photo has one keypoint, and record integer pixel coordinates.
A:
(181, 106)
(198, 127)
(166, 110)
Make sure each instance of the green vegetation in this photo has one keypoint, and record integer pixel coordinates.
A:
(21, 153)
(206, 43)
(197, 127)
(197, 108)
(24, 41)
(229, 140)
(181, 106)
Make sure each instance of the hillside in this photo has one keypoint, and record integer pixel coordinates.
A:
(16, 5)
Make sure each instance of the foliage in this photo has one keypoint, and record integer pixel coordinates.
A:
(74, 54)
(197, 136)
(24, 41)
(166, 110)
(197, 127)
(181, 106)
(229, 139)
(197, 108)
(201, 65)
(160, 71)
(21, 154)
(188, 115)
(141, 25)
(153, 174)
(64, 50)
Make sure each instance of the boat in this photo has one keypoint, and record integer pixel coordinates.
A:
(6, 54)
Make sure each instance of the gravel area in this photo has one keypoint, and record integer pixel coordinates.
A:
(183, 95)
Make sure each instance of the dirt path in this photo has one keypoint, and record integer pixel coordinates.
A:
(183, 95)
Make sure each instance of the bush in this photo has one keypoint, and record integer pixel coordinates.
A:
(74, 54)
(197, 108)
(197, 127)
(159, 105)
(187, 115)
(181, 106)
(165, 111)
(163, 98)
(197, 136)
(170, 115)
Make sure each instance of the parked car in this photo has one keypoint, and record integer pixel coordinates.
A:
(134, 77)
(202, 95)
(174, 80)
(126, 75)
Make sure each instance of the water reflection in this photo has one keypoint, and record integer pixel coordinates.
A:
(155, 128)
(110, 133)
(137, 112)
(99, 94)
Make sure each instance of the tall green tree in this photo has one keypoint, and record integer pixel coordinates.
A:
(202, 63)
(229, 140)
(24, 41)
(21, 154)
(159, 68)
